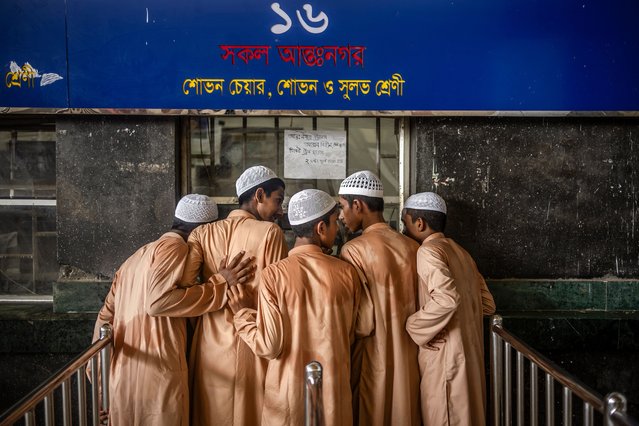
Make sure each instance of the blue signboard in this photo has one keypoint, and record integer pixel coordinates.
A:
(345, 55)
(33, 54)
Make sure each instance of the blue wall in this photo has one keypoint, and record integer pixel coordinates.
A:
(358, 55)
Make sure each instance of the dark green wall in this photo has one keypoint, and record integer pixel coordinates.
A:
(537, 197)
(116, 188)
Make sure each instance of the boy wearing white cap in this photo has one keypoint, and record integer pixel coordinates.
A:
(306, 311)
(147, 309)
(227, 378)
(386, 373)
(449, 326)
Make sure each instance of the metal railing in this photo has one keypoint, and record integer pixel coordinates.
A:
(44, 395)
(25, 409)
(612, 407)
(313, 410)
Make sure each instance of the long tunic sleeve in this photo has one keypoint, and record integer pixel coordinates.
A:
(365, 315)
(106, 313)
(194, 261)
(487, 301)
(442, 300)
(105, 316)
(190, 301)
(449, 331)
(385, 377)
(263, 334)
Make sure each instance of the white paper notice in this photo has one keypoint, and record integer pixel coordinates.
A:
(314, 154)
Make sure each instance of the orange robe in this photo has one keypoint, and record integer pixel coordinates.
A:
(148, 375)
(227, 379)
(388, 390)
(449, 331)
(307, 311)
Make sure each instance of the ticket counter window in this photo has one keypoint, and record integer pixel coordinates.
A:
(221, 148)
(28, 238)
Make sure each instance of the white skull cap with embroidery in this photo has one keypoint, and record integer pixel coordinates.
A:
(426, 201)
(308, 205)
(252, 177)
(196, 208)
(362, 183)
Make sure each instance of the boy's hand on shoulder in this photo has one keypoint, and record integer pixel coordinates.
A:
(238, 270)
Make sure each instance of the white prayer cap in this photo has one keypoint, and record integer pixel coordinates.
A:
(252, 177)
(308, 205)
(196, 208)
(362, 183)
(426, 201)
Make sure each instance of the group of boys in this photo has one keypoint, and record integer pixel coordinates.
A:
(396, 326)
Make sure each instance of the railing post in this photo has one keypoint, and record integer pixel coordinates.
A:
(313, 409)
(550, 399)
(567, 397)
(66, 402)
(588, 414)
(82, 396)
(496, 368)
(614, 402)
(49, 417)
(508, 388)
(29, 418)
(534, 403)
(95, 390)
(520, 389)
(105, 362)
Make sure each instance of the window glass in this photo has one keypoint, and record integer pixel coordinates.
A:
(261, 144)
(362, 145)
(389, 138)
(28, 238)
(331, 123)
(295, 123)
(221, 148)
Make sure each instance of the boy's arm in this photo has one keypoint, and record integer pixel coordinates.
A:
(364, 308)
(262, 329)
(166, 298)
(487, 301)
(107, 312)
(105, 316)
(436, 279)
(194, 260)
(365, 312)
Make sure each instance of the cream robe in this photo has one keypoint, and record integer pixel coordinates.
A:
(389, 379)
(148, 375)
(227, 379)
(449, 330)
(307, 311)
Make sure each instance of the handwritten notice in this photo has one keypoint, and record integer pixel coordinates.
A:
(314, 154)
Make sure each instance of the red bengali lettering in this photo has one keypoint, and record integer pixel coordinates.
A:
(289, 54)
(358, 55)
(311, 56)
(245, 53)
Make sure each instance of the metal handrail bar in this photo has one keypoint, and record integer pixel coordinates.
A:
(613, 406)
(581, 390)
(28, 403)
(26, 299)
(623, 419)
